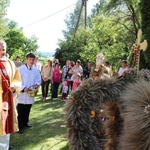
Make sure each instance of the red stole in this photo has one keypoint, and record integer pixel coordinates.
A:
(7, 100)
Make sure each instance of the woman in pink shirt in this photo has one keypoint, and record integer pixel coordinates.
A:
(56, 80)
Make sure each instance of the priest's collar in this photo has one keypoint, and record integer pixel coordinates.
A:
(28, 67)
(4, 58)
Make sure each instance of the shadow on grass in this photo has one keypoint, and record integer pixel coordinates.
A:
(66, 147)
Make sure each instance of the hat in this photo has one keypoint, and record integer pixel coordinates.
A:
(78, 61)
(65, 83)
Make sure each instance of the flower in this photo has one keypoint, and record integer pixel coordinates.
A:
(147, 109)
(92, 114)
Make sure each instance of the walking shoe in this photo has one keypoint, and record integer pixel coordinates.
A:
(28, 125)
(20, 131)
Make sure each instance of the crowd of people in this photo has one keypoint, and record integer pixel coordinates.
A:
(52, 75)
(67, 78)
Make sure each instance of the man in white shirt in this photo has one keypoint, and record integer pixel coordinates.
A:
(31, 79)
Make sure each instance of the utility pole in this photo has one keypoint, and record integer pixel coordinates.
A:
(78, 18)
(84, 3)
(85, 13)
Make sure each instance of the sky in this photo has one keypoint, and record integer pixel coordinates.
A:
(49, 30)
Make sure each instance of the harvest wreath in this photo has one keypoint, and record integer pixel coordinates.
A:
(110, 114)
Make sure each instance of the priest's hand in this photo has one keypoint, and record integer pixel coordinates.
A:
(12, 89)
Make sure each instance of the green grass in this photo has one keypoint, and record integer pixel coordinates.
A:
(46, 133)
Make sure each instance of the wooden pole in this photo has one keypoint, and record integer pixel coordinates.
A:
(78, 19)
(85, 13)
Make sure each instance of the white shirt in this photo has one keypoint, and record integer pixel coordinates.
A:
(65, 89)
(121, 71)
(47, 72)
(75, 71)
(38, 66)
(29, 78)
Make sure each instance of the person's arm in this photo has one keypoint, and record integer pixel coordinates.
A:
(63, 69)
(71, 71)
(16, 81)
(126, 70)
(39, 66)
(42, 73)
(38, 79)
(15, 85)
(51, 74)
(119, 72)
(81, 71)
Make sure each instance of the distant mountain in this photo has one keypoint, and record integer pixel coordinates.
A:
(46, 54)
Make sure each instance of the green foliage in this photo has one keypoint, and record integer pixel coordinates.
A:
(15, 41)
(70, 50)
(18, 43)
(3, 7)
(112, 29)
(106, 37)
(31, 44)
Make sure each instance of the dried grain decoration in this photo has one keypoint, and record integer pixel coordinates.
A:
(136, 132)
(112, 125)
(90, 96)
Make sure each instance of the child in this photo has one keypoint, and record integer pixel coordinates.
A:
(64, 91)
(76, 82)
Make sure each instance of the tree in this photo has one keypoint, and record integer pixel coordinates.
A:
(70, 50)
(72, 19)
(70, 47)
(112, 29)
(117, 34)
(107, 37)
(15, 41)
(111, 32)
(3, 5)
(125, 11)
(18, 43)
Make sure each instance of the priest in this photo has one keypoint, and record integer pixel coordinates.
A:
(10, 83)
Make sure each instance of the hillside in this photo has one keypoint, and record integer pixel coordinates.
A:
(45, 54)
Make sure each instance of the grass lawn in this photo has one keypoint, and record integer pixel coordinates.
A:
(46, 133)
